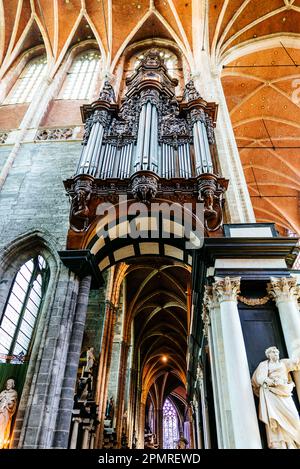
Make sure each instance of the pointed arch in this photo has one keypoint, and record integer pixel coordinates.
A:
(45, 36)
(71, 36)
(291, 40)
(19, 47)
(139, 26)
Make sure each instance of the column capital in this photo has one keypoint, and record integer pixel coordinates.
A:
(226, 289)
(283, 289)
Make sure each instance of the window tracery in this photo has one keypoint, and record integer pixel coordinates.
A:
(28, 81)
(22, 309)
(170, 425)
(81, 78)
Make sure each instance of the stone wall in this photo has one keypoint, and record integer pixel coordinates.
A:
(4, 153)
(33, 196)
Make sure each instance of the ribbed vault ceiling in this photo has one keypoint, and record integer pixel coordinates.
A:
(157, 304)
(260, 86)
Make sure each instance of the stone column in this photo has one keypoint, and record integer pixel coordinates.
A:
(141, 429)
(103, 372)
(121, 390)
(207, 78)
(86, 434)
(242, 407)
(160, 431)
(76, 422)
(285, 293)
(62, 426)
(205, 416)
(92, 440)
(212, 330)
(197, 423)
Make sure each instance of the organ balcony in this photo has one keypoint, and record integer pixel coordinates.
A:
(152, 146)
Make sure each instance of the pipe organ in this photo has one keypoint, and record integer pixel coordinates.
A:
(152, 131)
(153, 144)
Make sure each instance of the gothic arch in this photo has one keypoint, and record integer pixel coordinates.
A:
(139, 26)
(12, 257)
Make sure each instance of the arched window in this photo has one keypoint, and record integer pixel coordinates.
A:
(81, 77)
(170, 60)
(28, 82)
(170, 425)
(22, 309)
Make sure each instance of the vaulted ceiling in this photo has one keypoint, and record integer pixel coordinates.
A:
(158, 304)
(258, 42)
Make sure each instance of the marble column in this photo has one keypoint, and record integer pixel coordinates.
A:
(92, 439)
(76, 422)
(212, 330)
(205, 416)
(86, 435)
(242, 407)
(285, 293)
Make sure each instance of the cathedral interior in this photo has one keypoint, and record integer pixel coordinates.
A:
(150, 223)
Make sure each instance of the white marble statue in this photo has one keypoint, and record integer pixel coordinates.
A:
(8, 405)
(273, 384)
(90, 359)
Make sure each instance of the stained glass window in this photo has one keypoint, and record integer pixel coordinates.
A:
(28, 82)
(22, 308)
(170, 425)
(82, 76)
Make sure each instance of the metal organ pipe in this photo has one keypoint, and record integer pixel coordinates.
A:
(96, 153)
(88, 150)
(198, 161)
(140, 139)
(146, 147)
(209, 162)
(91, 151)
(100, 161)
(154, 140)
(128, 160)
(202, 150)
(187, 156)
(147, 141)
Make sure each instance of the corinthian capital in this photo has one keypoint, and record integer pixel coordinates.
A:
(283, 289)
(227, 289)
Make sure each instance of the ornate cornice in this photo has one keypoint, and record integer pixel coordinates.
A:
(283, 289)
(227, 289)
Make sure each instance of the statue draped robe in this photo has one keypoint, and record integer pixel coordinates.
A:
(276, 406)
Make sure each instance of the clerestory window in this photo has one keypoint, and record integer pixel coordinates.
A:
(82, 76)
(28, 82)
